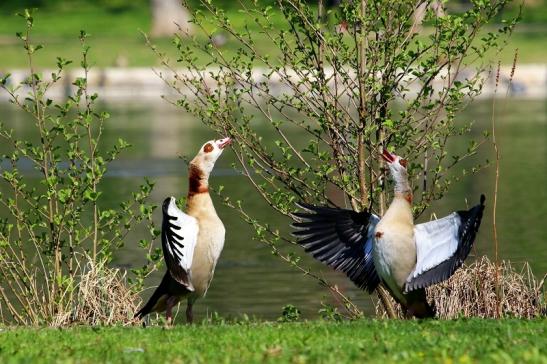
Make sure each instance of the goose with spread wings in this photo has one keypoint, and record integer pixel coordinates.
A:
(405, 257)
(191, 241)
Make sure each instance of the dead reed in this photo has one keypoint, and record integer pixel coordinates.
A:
(102, 297)
(471, 292)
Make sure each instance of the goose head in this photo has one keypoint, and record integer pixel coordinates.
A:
(209, 153)
(398, 168)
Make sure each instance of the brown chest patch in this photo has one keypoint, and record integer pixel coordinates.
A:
(196, 181)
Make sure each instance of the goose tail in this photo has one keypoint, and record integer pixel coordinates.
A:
(158, 293)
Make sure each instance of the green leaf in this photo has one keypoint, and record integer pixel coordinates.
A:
(64, 195)
(91, 195)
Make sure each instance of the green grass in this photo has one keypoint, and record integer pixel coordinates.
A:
(115, 35)
(370, 341)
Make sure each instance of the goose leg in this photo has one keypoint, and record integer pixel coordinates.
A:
(189, 313)
(169, 304)
(418, 306)
(169, 315)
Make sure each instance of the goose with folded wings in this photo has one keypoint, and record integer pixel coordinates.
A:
(191, 241)
(405, 257)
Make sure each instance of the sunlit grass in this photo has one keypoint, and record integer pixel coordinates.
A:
(463, 341)
(116, 39)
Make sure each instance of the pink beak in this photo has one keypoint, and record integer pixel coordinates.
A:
(388, 157)
(224, 142)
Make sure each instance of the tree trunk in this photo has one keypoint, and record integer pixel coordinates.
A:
(419, 14)
(169, 17)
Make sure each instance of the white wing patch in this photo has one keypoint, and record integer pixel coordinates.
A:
(436, 241)
(181, 236)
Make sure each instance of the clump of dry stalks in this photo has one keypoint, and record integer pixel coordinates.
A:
(474, 291)
(102, 297)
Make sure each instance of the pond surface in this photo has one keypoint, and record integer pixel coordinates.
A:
(249, 279)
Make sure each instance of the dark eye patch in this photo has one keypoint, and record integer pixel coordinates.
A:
(403, 162)
(208, 148)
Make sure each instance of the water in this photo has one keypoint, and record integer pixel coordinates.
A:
(248, 278)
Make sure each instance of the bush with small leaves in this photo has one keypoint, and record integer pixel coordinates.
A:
(374, 81)
(52, 232)
(290, 314)
(330, 313)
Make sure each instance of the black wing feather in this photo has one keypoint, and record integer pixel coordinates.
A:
(338, 238)
(168, 236)
(470, 222)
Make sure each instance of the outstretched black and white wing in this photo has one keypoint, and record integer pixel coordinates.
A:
(178, 237)
(340, 238)
(442, 246)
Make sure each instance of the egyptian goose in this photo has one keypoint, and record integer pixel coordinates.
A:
(191, 241)
(407, 258)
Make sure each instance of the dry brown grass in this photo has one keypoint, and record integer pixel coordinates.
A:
(471, 292)
(102, 297)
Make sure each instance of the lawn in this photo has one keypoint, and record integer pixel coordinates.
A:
(370, 341)
(116, 38)
(113, 36)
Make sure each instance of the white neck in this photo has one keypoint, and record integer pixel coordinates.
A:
(401, 183)
(402, 198)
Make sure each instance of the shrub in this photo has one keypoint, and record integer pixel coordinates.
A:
(378, 83)
(56, 238)
(475, 290)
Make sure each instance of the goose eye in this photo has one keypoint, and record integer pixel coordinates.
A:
(403, 162)
(208, 148)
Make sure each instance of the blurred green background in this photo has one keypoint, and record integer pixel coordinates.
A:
(115, 28)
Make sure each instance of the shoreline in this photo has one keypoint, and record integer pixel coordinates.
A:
(143, 84)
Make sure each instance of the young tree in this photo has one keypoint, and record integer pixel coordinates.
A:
(55, 229)
(379, 84)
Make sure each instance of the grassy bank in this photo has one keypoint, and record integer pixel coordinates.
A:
(462, 341)
(116, 39)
